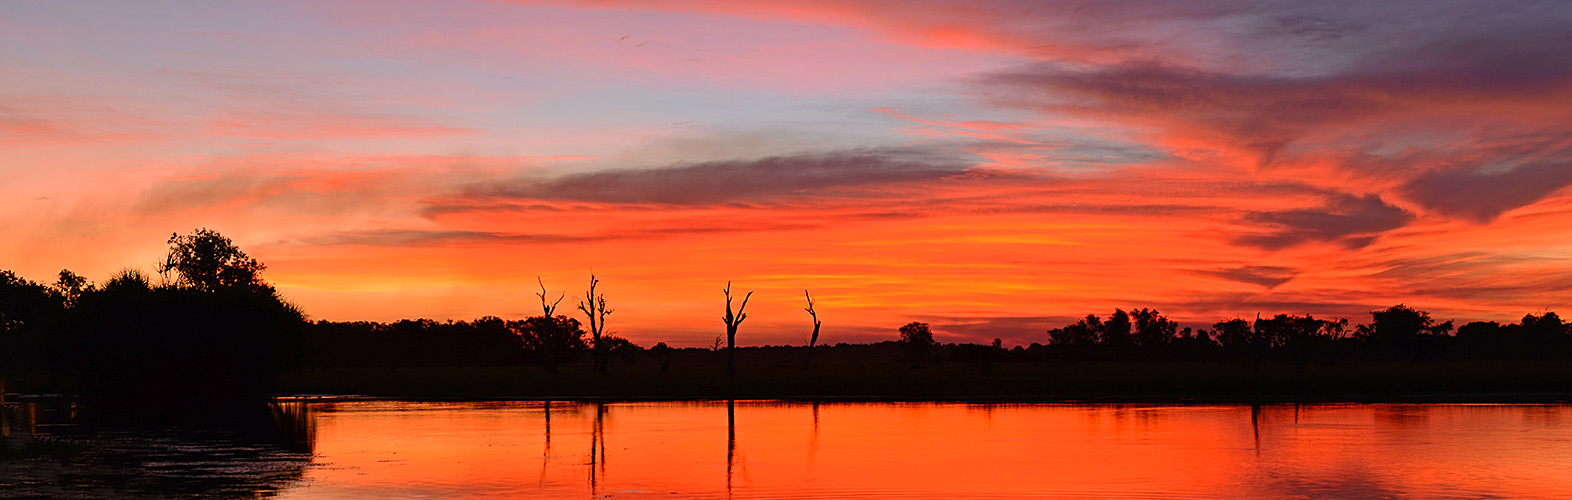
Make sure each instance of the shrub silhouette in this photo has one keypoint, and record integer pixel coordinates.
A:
(134, 344)
(216, 336)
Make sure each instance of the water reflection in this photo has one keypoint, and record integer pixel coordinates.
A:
(59, 451)
(891, 450)
(809, 450)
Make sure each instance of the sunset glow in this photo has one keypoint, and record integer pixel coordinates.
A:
(994, 169)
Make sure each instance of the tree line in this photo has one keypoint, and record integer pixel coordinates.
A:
(1398, 332)
(211, 325)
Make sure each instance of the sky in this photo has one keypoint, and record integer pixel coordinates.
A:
(994, 169)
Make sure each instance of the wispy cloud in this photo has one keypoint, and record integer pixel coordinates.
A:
(306, 106)
(1267, 277)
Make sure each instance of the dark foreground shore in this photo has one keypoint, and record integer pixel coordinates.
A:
(1442, 382)
(1461, 382)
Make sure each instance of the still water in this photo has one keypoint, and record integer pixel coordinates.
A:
(856, 450)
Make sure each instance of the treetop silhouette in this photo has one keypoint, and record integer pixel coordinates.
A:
(548, 326)
(594, 307)
(815, 338)
(731, 328)
(208, 261)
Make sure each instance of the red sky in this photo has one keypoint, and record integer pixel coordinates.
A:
(992, 168)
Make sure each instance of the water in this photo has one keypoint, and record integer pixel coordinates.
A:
(859, 450)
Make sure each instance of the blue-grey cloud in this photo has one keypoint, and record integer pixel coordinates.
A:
(1483, 195)
(742, 181)
(1351, 85)
(1348, 220)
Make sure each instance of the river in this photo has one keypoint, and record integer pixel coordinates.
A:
(762, 449)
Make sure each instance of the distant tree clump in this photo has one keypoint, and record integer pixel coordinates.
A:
(1403, 332)
(1077, 340)
(560, 335)
(917, 339)
(1152, 329)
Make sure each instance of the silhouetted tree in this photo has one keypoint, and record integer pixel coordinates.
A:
(1234, 335)
(70, 286)
(546, 311)
(1543, 334)
(1152, 329)
(917, 339)
(25, 306)
(815, 338)
(594, 307)
(1116, 332)
(487, 341)
(1484, 339)
(731, 328)
(1402, 331)
(560, 335)
(207, 261)
(1297, 335)
(622, 348)
(1535, 337)
(26, 310)
(1548, 324)
(1076, 339)
(1193, 345)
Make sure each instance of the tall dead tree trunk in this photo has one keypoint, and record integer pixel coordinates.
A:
(550, 334)
(594, 306)
(731, 328)
(815, 339)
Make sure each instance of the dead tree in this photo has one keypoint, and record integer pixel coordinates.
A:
(731, 328)
(549, 334)
(594, 306)
(815, 339)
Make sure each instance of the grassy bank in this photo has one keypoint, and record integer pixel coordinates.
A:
(1489, 381)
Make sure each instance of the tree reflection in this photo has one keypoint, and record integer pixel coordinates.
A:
(597, 463)
(813, 441)
(1255, 427)
(545, 455)
(731, 441)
